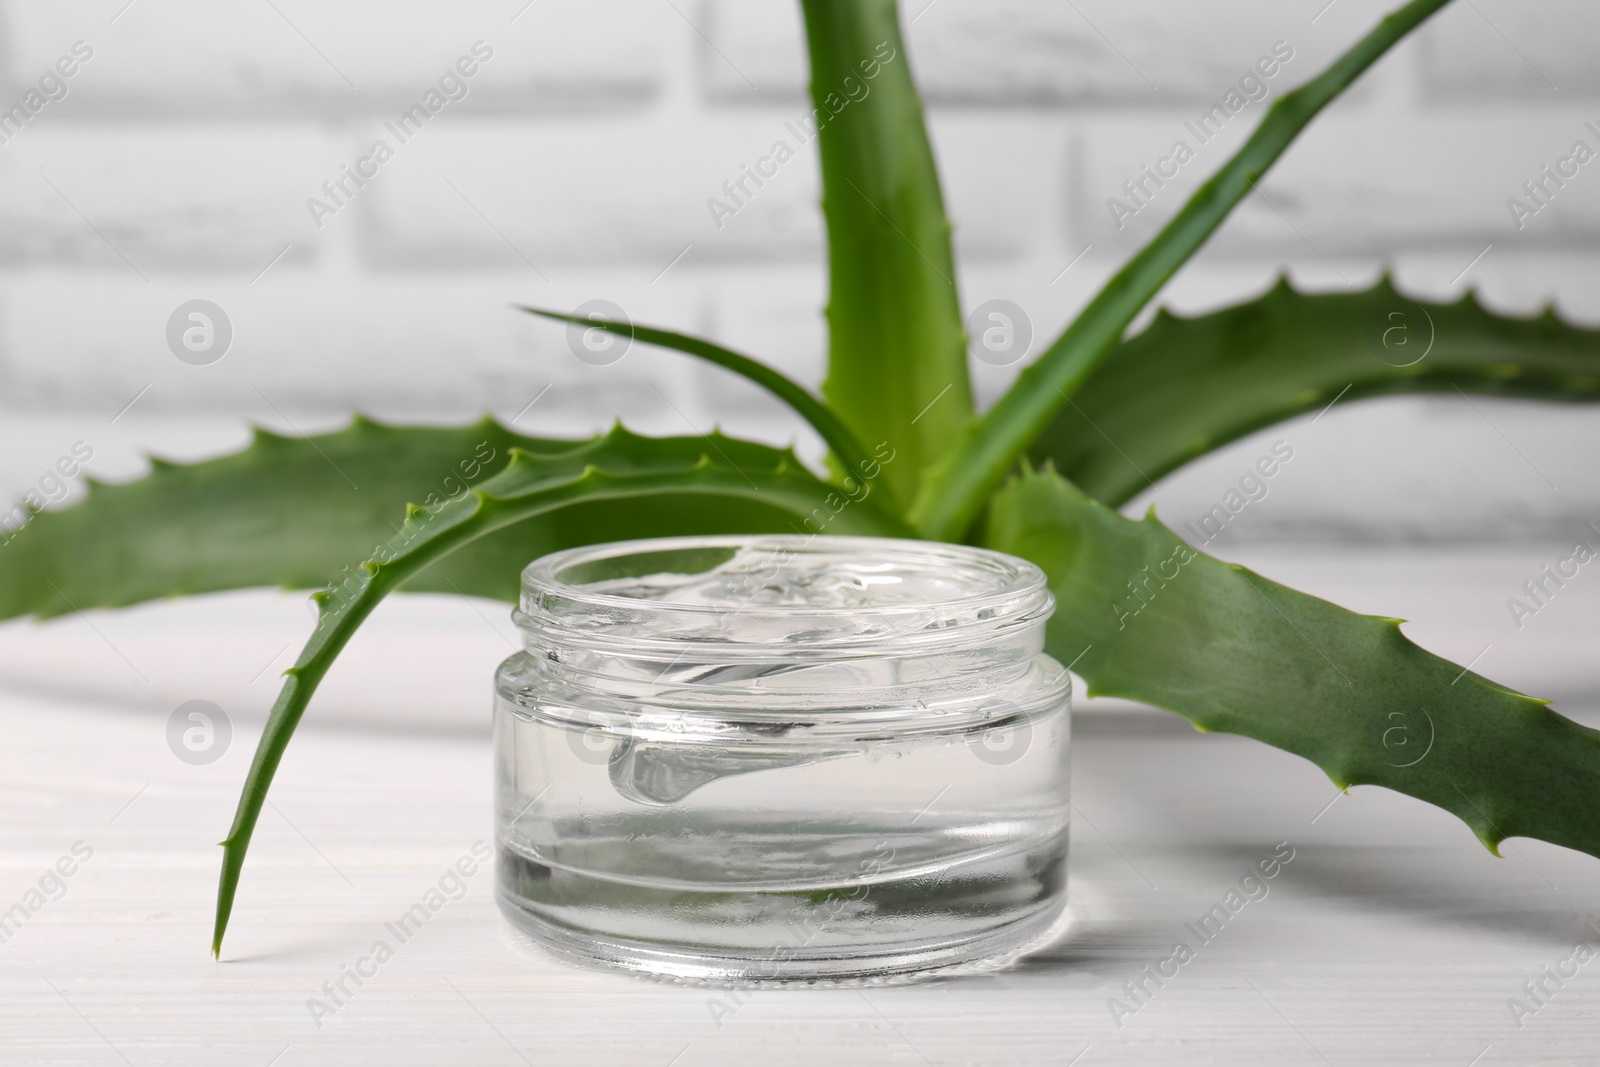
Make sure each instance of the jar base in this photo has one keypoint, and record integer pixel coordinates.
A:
(989, 949)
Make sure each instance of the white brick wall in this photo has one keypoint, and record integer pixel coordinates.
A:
(350, 59)
(1360, 186)
(1555, 39)
(579, 162)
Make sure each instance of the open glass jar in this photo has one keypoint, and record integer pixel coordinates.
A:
(776, 758)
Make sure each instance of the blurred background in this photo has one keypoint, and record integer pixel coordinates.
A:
(185, 158)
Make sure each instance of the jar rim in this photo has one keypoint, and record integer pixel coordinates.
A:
(984, 591)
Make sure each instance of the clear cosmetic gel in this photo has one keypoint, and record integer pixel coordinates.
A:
(783, 759)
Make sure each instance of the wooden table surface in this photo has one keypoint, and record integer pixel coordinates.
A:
(1392, 936)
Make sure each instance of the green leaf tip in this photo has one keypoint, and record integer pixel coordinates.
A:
(961, 482)
(1187, 385)
(1233, 651)
(619, 468)
(833, 430)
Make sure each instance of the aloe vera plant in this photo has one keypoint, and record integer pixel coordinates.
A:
(1142, 614)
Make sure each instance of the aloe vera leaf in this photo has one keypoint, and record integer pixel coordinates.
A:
(619, 466)
(283, 511)
(897, 363)
(846, 449)
(304, 512)
(1186, 386)
(956, 489)
(1146, 617)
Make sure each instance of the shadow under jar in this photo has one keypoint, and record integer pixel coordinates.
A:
(783, 759)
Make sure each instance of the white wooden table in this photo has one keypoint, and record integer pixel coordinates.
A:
(1391, 937)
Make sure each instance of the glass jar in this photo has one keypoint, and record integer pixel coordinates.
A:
(783, 759)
